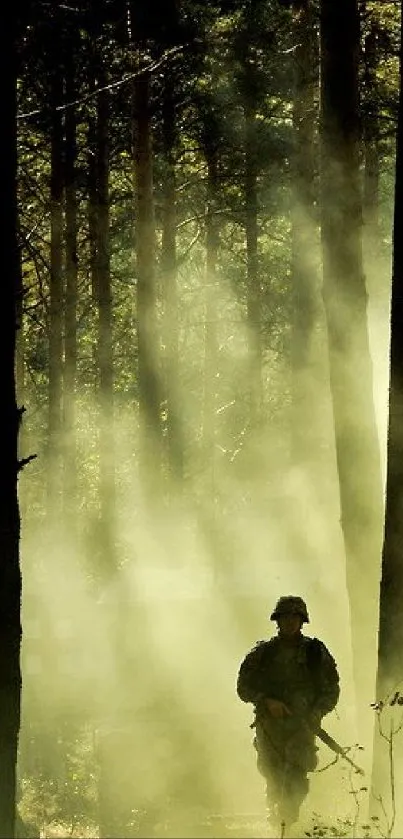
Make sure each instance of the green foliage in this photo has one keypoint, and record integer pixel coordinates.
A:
(66, 795)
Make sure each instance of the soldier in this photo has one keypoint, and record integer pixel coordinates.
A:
(292, 681)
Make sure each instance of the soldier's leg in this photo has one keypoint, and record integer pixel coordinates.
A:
(295, 790)
(301, 758)
(270, 766)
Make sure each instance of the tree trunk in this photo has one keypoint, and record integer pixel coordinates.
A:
(307, 372)
(92, 212)
(390, 638)
(249, 85)
(10, 576)
(148, 355)
(210, 328)
(345, 298)
(371, 140)
(376, 258)
(252, 264)
(56, 293)
(99, 236)
(105, 351)
(70, 311)
(169, 270)
(20, 350)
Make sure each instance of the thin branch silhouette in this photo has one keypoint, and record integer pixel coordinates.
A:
(147, 68)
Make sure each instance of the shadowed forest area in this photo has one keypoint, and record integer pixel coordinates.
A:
(202, 396)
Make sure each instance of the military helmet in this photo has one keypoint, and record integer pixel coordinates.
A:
(290, 605)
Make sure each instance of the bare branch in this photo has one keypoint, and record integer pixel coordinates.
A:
(24, 461)
(148, 68)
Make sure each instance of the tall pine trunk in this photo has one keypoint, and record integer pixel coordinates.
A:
(148, 351)
(376, 259)
(20, 350)
(371, 139)
(55, 318)
(105, 348)
(10, 576)
(390, 639)
(101, 286)
(169, 279)
(307, 385)
(253, 304)
(249, 84)
(345, 299)
(70, 310)
(210, 325)
(209, 522)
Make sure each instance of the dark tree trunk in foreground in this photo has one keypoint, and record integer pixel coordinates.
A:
(10, 578)
(391, 612)
(307, 416)
(390, 670)
(345, 298)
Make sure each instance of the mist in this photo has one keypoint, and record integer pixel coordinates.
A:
(137, 671)
(198, 272)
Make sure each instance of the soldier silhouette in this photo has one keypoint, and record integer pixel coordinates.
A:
(292, 680)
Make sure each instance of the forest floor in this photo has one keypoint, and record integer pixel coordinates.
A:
(232, 826)
(245, 826)
(215, 827)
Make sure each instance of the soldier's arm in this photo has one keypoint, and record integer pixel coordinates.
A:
(249, 682)
(328, 683)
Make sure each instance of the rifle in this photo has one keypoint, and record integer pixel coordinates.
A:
(329, 741)
(326, 738)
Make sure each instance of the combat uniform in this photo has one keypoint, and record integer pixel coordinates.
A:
(301, 673)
